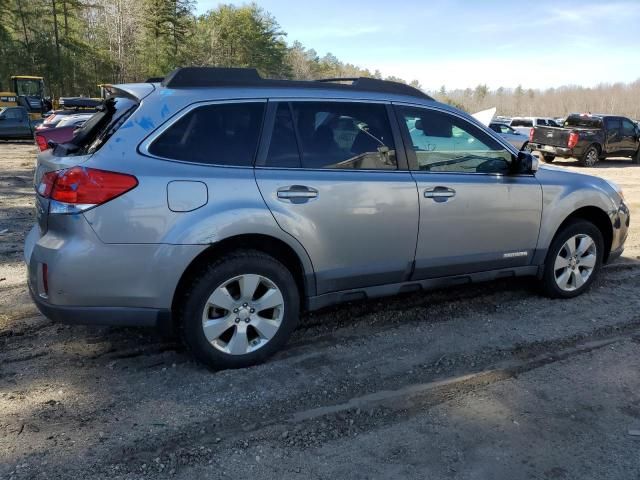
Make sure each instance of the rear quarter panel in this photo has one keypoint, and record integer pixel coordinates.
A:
(142, 216)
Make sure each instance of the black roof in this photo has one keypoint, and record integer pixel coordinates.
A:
(198, 77)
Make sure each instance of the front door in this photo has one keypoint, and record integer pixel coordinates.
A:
(629, 134)
(474, 215)
(330, 175)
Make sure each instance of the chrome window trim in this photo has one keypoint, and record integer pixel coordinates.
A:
(143, 147)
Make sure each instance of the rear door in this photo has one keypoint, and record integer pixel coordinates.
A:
(613, 138)
(330, 174)
(474, 215)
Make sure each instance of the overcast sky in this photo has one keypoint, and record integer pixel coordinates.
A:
(462, 43)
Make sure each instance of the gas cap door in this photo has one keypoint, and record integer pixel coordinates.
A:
(186, 195)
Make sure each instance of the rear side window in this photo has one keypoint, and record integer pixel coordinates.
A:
(613, 124)
(344, 135)
(521, 123)
(220, 134)
(13, 114)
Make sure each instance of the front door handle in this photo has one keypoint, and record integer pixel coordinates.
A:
(439, 193)
(297, 193)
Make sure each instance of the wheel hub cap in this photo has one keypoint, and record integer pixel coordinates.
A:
(243, 314)
(575, 262)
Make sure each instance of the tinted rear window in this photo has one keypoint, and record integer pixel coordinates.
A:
(521, 123)
(583, 122)
(220, 134)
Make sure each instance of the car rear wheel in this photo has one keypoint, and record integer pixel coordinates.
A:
(573, 260)
(590, 157)
(549, 158)
(240, 310)
(636, 158)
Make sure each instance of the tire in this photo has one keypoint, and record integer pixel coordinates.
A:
(590, 157)
(525, 147)
(636, 158)
(549, 158)
(254, 334)
(560, 281)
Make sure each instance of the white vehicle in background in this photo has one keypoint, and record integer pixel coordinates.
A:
(77, 120)
(515, 138)
(525, 124)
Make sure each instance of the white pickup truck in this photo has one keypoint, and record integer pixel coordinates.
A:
(525, 124)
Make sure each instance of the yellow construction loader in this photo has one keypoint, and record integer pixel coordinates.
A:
(29, 92)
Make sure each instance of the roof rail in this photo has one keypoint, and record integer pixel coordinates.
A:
(154, 80)
(193, 77)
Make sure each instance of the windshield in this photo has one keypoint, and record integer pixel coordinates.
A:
(29, 87)
(583, 122)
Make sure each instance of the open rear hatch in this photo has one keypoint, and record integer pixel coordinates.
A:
(87, 140)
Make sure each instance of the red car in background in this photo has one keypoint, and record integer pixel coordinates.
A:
(55, 136)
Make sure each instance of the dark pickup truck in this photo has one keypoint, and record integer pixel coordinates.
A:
(588, 138)
(16, 124)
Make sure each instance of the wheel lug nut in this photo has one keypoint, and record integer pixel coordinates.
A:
(246, 320)
(237, 320)
(235, 310)
(245, 304)
(252, 310)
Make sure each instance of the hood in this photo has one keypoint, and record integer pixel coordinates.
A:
(485, 116)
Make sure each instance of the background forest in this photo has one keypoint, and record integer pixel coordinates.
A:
(78, 44)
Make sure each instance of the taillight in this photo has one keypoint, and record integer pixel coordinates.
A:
(46, 183)
(42, 143)
(77, 188)
(573, 139)
(531, 134)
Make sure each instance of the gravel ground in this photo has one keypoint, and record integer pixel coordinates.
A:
(483, 381)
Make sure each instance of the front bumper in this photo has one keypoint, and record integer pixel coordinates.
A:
(620, 222)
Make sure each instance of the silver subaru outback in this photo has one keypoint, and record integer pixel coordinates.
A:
(224, 204)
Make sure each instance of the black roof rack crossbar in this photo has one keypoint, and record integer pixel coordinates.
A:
(193, 77)
(337, 79)
(189, 77)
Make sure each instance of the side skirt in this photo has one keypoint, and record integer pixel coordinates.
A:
(327, 299)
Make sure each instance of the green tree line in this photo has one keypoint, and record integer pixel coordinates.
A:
(77, 44)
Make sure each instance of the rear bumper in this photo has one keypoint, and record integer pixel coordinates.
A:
(75, 278)
(557, 151)
(115, 316)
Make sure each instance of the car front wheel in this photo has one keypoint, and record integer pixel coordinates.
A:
(240, 310)
(573, 260)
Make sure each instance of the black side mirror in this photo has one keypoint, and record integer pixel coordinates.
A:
(526, 163)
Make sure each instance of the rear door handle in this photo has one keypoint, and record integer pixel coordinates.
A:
(297, 193)
(439, 193)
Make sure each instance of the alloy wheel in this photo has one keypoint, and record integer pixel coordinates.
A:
(575, 262)
(243, 314)
(592, 158)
